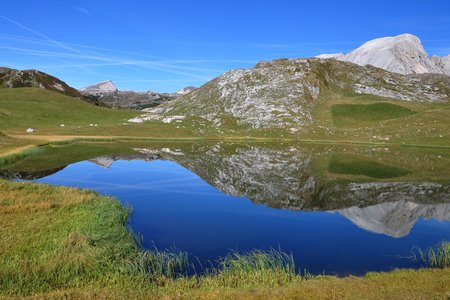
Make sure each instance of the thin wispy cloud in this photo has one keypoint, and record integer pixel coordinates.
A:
(43, 36)
(83, 10)
(129, 53)
(91, 58)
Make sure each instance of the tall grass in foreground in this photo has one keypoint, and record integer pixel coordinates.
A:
(272, 267)
(435, 257)
(157, 264)
(54, 238)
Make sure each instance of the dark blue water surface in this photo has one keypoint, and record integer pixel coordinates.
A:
(173, 207)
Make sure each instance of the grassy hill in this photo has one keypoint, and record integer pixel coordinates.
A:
(45, 111)
(11, 78)
(313, 99)
(363, 114)
(40, 108)
(380, 120)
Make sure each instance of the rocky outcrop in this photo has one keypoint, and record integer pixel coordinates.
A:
(99, 89)
(106, 94)
(11, 78)
(282, 93)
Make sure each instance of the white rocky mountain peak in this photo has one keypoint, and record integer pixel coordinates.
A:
(331, 55)
(104, 87)
(402, 54)
(186, 90)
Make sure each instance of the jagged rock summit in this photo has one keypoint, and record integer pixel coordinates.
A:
(105, 93)
(104, 87)
(403, 54)
(186, 90)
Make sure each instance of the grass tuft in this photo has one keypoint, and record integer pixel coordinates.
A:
(435, 257)
(257, 267)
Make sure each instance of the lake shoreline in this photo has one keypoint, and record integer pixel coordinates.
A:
(34, 142)
(93, 258)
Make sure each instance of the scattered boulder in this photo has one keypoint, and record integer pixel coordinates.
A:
(31, 130)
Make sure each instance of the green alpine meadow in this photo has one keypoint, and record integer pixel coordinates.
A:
(238, 150)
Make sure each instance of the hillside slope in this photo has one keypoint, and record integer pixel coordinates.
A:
(21, 108)
(283, 93)
(11, 78)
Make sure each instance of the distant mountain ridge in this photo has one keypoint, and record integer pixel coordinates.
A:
(403, 54)
(12, 78)
(105, 93)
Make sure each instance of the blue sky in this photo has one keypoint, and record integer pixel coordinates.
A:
(166, 45)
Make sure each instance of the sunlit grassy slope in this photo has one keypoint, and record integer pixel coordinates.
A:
(45, 111)
(39, 108)
(361, 114)
(380, 120)
(336, 118)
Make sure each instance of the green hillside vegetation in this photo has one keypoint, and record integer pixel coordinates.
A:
(373, 119)
(337, 119)
(39, 108)
(45, 111)
(360, 114)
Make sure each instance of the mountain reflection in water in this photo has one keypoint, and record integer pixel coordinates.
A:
(407, 187)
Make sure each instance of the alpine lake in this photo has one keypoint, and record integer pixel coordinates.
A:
(338, 209)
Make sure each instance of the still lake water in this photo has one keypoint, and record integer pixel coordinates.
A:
(330, 227)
